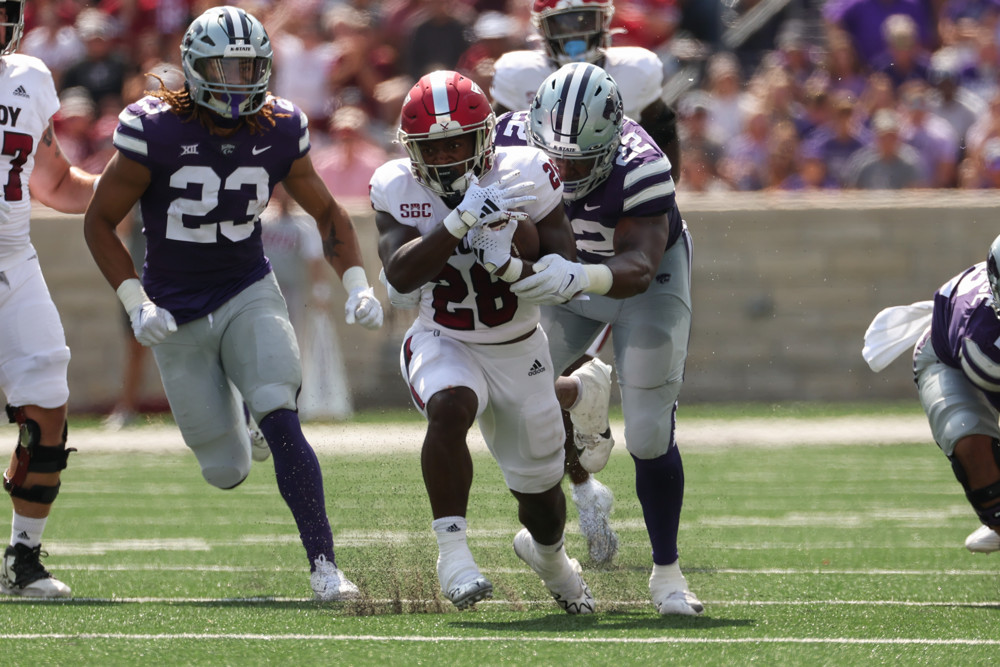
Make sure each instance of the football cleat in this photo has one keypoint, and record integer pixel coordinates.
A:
(118, 419)
(593, 503)
(983, 540)
(670, 593)
(23, 574)
(569, 591)
(469, 593)
(259, 451)
(329, 584)
(591, 430)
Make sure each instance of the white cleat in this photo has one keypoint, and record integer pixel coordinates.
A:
(469, 593)
(259, 451)
(22, 573)
(670, 593)
(329, 584)
(591, 430)
(570, 591)
(983, 540)
(593, 503)
(460, 579)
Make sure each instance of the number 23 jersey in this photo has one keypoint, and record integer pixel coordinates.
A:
(464, 301)
(201, 211)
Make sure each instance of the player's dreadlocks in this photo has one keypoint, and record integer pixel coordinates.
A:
(181, 104)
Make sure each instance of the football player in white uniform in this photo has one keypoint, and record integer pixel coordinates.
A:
(446, 217)
(580, 31)
(33, 352)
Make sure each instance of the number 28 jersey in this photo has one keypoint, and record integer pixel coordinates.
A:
(27, 102)
(201, 211)
(464, 301)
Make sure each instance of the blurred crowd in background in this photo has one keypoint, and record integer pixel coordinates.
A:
(771, 94)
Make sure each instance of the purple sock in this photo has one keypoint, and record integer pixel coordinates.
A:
(300, 481)
(659, 483)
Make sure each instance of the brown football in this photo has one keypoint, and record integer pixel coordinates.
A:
(525, 242)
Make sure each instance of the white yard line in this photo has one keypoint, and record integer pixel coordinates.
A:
(507, 638)
(699, 434)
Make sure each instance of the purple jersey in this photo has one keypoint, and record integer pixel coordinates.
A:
(639, 185)
(201, 211)
(965, 330)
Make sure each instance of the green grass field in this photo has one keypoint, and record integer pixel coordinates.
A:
(819, 555)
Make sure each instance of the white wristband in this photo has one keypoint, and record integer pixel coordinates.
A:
(458, 223)
(354, 278)
(96, 181)
(600, 278)
(131, 294)
(513, 271)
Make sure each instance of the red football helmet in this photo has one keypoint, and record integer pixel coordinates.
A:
(447, 104)
(575, 31)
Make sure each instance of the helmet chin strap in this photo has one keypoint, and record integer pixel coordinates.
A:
(461, 184)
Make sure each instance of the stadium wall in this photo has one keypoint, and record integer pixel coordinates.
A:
(784, 286)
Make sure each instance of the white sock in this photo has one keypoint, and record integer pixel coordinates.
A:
(455, 562)
(671, 572)
(552, 560)
(27, 531)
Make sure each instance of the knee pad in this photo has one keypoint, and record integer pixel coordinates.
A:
(224, 478)
(982, 498)
(650, 417)
(31, 456)
(270, 397)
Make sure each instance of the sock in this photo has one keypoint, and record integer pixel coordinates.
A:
(659, 483)
(671, 572)
(455, 562)
(300, 482)
(552, 561)
(27, 531)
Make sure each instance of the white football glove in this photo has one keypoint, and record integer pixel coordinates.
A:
(556, 280)
(151, 324)
(362, 307)
(490, 204)
(491, 244)
(401, 300)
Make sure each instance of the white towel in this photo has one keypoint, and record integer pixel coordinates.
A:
(894, 331)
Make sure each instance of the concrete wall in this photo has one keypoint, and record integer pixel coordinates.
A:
(784, 287)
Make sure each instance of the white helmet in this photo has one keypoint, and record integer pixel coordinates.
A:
(12, 26)
(226, 56)
(574, 30)
(993, 273)
(577, 115)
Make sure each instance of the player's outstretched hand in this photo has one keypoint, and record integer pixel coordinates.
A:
(362, 307)
(491, 244)
(401, 300)
(556, 280)
(151, 324)
(490, 204)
